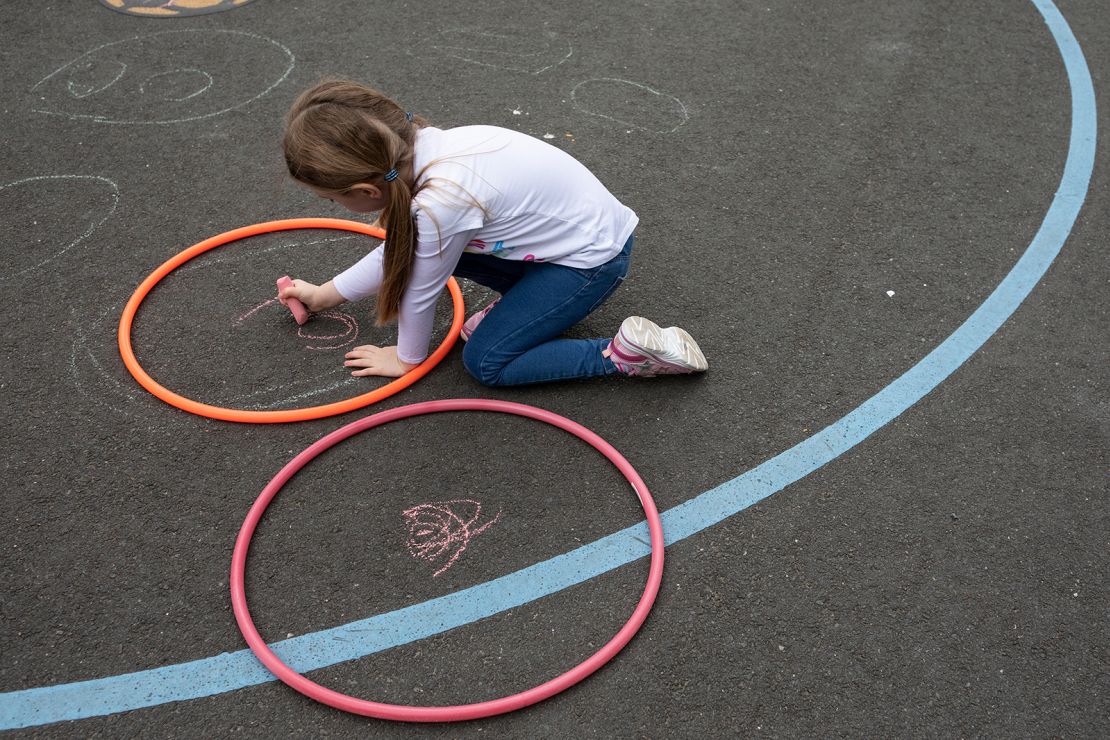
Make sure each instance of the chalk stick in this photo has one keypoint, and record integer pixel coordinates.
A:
(294, 305)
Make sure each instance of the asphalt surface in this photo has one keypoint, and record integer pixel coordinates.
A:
(826, 190)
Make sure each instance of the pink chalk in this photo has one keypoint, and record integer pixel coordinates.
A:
(300, 313)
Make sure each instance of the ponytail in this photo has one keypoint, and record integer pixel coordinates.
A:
(400, 248)
(342, 133)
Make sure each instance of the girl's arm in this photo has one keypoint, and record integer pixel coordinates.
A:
(363, 278)
(434, 264)
(435, 261)
(358, 281)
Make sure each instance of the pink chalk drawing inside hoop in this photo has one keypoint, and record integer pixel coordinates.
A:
(436, 529)
(412, 713)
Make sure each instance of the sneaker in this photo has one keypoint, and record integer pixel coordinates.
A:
(472, 323)
(642, 348)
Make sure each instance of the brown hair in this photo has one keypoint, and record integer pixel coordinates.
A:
(340, 133)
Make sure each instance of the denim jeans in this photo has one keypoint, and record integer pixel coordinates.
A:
(516, 343)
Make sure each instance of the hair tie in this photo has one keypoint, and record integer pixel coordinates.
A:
(408, 116)
(390, 176)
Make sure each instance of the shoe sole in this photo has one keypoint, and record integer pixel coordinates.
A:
(672, 346)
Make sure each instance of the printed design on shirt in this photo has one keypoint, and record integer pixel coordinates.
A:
(497, 249)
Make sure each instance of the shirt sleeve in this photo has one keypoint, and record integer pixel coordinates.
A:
(363, 278)
(435, 261)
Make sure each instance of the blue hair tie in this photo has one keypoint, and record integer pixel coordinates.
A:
(408, 116)
(390, 176)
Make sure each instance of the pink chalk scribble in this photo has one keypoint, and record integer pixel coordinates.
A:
(347, 336)
(253, 311)
(443, 529)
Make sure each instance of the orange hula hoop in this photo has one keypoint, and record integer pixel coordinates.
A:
(282, 415)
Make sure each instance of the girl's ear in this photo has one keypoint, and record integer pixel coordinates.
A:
(369, 189)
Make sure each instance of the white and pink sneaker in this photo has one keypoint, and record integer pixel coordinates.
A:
(642, 348)
(472, 322)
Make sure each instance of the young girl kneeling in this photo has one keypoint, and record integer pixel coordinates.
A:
(489, 204)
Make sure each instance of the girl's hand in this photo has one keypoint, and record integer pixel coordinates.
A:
(376, 361)
(314, 297)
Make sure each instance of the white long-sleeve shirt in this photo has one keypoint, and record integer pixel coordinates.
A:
(491, 190)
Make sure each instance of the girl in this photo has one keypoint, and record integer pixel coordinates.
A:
(492, 205)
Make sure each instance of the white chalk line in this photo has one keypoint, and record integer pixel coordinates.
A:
(685, 112)
(88, 232)
(468, 54)
(81, 345)
(208, 80)
(71, 86)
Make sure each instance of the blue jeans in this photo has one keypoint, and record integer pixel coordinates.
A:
(516, 342)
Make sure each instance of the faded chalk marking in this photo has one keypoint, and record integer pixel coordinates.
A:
(12, 212)
(161, 78)
(80, 350)
(630, 104)
(438, 530)
(83, 88)
(285, 388)
(208, 259)
(109, 83)
(515, 52)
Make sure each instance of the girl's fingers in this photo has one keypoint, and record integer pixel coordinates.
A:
(365, 357)
(366, 350)
(373, 360)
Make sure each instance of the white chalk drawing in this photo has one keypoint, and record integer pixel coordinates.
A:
(29, 236)
(249, 402)
(161, 78)
(886, 48)
(86, 367)
(630, 104)
(515, 51)
(224, 255)
(84, 82)
(441, 530)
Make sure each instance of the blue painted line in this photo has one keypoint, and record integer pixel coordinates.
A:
(231, 671)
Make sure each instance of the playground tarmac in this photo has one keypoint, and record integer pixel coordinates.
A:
(885, 503)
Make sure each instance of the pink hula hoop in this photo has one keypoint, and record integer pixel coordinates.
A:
(409, 713)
